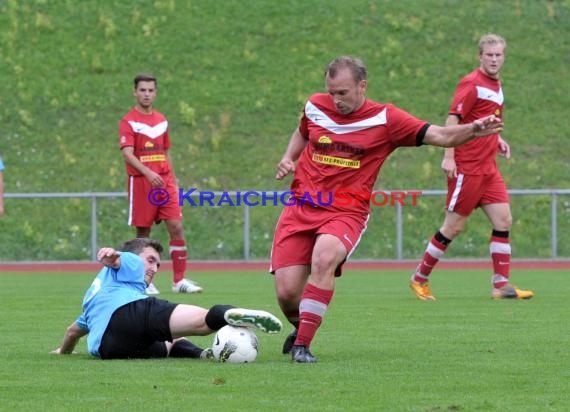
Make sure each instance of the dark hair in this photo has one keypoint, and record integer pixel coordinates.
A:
(145, 77)
(137, 245)
(354, 64)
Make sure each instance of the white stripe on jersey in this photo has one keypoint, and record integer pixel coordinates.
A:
(150, 131)
(488, 94)
(456, 192)
(318, 117)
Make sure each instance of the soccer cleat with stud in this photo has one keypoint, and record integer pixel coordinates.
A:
(186, 286)
(151, 290)
(260, 319)
(289, 342)
(422, 290)
(511, 292)
(301, 354)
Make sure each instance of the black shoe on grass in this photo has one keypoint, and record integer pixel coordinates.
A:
(301, 354)
(289, 342)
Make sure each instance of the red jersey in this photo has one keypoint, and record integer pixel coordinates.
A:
(476, 96)
(345, 152)
(148, 135)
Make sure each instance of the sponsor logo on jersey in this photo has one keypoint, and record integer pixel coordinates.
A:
(153, 158)
(336, 161)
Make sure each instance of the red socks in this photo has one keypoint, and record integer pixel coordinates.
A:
(314, 304)
(500, 249)
(177, 249)
(435, 250)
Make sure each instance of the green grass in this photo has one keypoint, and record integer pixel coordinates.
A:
(379, 349)
(233, 76)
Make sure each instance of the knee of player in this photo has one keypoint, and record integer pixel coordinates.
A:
(505, 223)
(288, 294)
(324, 264)
(452, 230)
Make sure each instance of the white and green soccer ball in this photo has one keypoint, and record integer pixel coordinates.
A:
(233, 344)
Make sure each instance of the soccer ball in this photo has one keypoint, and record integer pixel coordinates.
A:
(234, 344)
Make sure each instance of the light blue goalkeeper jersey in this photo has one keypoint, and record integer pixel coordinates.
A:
(111, 289)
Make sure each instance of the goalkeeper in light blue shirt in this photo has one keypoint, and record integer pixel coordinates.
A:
(123, 323)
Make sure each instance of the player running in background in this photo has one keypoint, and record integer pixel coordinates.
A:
(124, 323)
(153, 190)
(473, 177)
(340, 145)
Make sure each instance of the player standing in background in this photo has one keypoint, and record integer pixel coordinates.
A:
(473, 178)
(340, 144)
(1, 187)
(145, 144)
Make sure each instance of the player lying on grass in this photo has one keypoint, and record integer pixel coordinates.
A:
(124, 323)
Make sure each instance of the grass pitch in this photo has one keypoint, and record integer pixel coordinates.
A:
(379, 349)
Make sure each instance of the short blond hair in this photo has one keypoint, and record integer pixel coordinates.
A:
(491, 39)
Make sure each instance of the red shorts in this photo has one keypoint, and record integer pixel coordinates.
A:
(297, 230)
(148, 205)
(465, 193)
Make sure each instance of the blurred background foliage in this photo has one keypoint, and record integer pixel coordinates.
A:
(233, 76)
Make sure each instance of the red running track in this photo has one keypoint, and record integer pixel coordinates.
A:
(202, 266)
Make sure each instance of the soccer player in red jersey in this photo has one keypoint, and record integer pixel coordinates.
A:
(473, 178)
(341, 142)
(153, 191)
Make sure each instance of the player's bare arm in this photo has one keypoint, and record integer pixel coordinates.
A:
(287, 164)
(72, 335)
(448, 162)
(154, 178)
(455, 135)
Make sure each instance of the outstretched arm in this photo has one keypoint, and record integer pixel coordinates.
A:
(72, 335)
(455, 135)
(109, 257)
(287, 164)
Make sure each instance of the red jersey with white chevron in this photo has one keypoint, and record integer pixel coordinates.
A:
(347, 151)
(477, 95)
(148, 135)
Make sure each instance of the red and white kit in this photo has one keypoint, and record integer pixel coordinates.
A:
(148, 135)
(344, 152)
(479, 180)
